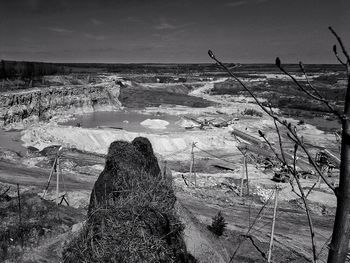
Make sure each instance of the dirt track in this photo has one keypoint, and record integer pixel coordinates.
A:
(291, 232)
(14, 173)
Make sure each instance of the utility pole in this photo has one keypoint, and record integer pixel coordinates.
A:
(273, 225)
(49, 180)
(243, 175)
(20, 215)
(56, 168)
(58, 179)
(246, 172)
(192, 164)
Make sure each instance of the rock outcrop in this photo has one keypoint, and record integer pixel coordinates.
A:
(44, 103)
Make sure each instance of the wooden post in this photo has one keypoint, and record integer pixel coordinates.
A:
(20, 214)
(192, 165)
(243, 175)
(246, 172)
(58, 179)
(51, 173)
(273, 225)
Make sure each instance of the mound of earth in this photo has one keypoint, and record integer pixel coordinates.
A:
(155, 124)
(131, 212)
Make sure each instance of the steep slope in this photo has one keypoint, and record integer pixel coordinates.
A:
(44, 103)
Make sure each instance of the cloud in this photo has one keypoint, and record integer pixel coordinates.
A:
(244, 2)
(95, 37)
(132, 19)
(164, 25)
(60, 30)
(96, 22)
(237, 3)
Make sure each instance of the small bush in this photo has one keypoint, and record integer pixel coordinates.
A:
(218, 225)
(252, 112)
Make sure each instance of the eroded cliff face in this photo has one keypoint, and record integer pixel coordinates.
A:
(44, 103)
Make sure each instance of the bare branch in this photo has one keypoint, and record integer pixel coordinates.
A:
(280, 141)
(5, 192)
(312, 188)
(302, 145)
(337, 56)
(302, 195)
(211, 55)
(341, 44)
(321, 99)
(301, 66)
(295, 157)
(282, 122)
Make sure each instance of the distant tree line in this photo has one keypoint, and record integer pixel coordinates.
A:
(25, 70)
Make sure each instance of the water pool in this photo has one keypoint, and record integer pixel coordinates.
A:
(126, 120)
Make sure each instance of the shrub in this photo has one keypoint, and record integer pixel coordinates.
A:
(218, 224)
(252, 112)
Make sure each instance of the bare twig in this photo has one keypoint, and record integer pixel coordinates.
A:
(310, 190)
(307, 210)
(5, 192)
(337, 56)
(294, 136)
(301, 66)
(317, 98)
(290, 127)
(250, 228)
(20, 215)
(341, 44)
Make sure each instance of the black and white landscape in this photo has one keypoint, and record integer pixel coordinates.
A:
(174, 131)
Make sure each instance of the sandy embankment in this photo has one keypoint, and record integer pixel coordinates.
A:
(98, 140)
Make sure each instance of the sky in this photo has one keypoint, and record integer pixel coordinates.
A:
(172, 31)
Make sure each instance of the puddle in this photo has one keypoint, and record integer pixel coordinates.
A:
(11, 140)
(129, 121)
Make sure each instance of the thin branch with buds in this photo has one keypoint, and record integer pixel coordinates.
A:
(291, 128)
(317, 98)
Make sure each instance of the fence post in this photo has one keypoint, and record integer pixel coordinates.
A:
(246, 172)
(192, 165)
(58, 179)
(20, 215)
(243, 175)
(273, 225)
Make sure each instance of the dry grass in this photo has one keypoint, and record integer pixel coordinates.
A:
(131, 214)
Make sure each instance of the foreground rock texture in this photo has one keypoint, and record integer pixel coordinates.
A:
(131, 213)
(44, 103)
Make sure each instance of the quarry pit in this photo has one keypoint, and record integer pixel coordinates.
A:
(195, 125)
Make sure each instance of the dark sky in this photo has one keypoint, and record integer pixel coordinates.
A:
(181, 31)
